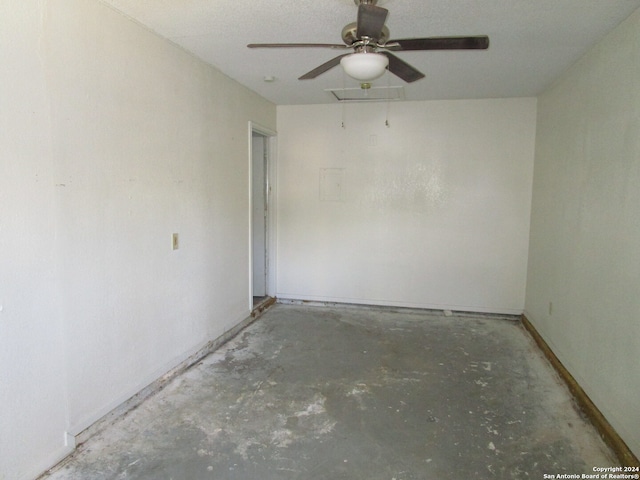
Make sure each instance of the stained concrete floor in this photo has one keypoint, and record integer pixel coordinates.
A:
(354, 393)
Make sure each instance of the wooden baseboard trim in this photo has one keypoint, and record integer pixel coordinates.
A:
(604, 428)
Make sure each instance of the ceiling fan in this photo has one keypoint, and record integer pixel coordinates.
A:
(369, 39)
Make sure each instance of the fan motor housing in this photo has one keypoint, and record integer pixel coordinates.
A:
(349, 34)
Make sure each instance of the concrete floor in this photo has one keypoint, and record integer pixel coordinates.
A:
(354, 393)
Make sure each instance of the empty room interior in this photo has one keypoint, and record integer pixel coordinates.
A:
(181, 215)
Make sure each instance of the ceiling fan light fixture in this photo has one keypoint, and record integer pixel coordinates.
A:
(365, 66)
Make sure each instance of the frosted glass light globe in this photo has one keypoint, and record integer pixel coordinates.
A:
(364, 66)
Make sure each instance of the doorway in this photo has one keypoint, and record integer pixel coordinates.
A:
(262, 146)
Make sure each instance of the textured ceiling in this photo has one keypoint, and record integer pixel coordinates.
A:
(532, 41)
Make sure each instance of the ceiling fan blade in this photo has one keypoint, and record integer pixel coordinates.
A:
(370, 21)
(402, 69)
(297, 45)
(322, 68)
(479, 42)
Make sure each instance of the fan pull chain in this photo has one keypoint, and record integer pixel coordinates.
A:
(386, 121)
(343, 102)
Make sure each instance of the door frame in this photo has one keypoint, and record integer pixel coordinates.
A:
(270, 224)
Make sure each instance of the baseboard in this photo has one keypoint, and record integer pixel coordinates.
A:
(604, 428)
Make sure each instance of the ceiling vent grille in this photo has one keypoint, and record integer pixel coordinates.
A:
(371, 94)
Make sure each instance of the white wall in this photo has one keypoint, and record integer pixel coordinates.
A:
(111, 140)
(433, 211)
(585, 232)
(32, 373)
